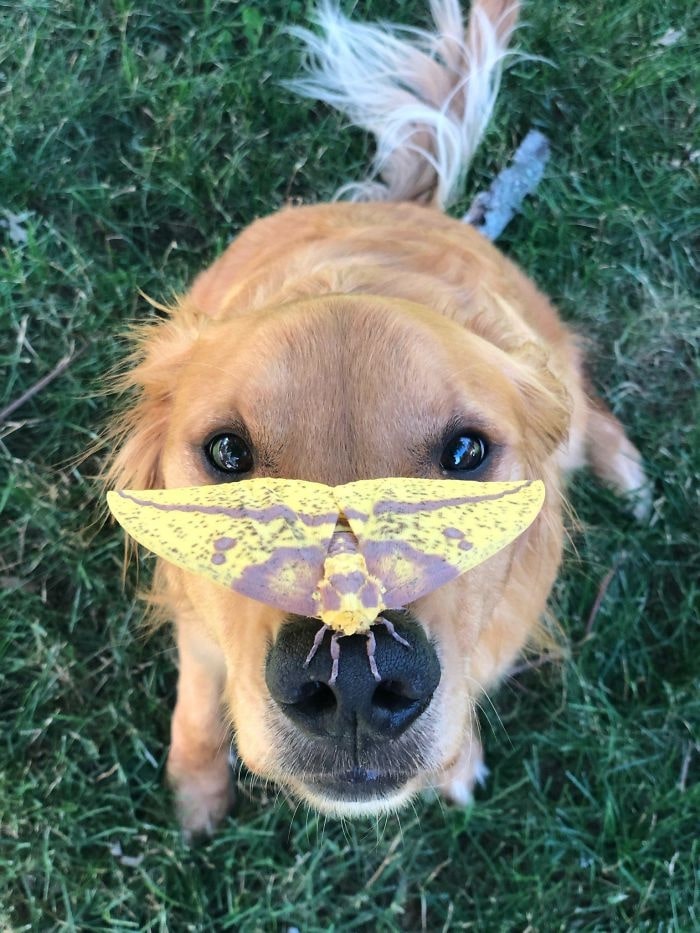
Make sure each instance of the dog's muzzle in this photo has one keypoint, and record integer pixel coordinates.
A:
(354, 729)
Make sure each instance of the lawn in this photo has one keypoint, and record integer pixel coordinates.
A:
(137, 139)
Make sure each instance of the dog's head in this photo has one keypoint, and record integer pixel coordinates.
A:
(334, 390)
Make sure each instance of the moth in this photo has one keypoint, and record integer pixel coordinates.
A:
(341, 554)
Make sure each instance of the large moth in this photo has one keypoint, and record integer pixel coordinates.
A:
(341, 554)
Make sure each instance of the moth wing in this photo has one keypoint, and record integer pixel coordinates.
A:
(416, 534)
(265, 538)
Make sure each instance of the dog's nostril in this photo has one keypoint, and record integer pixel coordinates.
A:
(352, 703)
(392, 696)
(314, 699)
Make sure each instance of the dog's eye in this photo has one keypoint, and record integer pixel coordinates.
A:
(462, 453)
(230, 454)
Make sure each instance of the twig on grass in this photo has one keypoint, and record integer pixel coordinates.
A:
(39, 385)
(550, 657)
(600, 596)
(685, 766)
(491, 211)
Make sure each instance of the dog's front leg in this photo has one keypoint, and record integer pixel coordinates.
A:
(457, 782)
(198, 763)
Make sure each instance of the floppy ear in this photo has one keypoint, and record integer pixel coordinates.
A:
(545, 405)
(137, 437)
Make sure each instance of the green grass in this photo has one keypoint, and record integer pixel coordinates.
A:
(140, 138)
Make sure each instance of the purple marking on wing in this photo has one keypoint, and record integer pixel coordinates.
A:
(431, 505)
(225, 544)
(218, 558)
(431, 571)
(352, 514)
(453, 533)
(266, 514)
(465, 545)
(262, 581)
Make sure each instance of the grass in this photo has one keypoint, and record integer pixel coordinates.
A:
(139, 138)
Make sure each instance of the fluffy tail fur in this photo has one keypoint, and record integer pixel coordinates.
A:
(427, 96)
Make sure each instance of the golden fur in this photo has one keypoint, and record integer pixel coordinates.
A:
(342, 336)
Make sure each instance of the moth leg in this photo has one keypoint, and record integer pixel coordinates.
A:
(371, 648)
(335, 655)
(389, 626)
(316, 645)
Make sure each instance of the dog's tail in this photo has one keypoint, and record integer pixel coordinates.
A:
(427, 96)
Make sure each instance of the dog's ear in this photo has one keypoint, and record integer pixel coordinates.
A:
(544, 403)
(137, 438)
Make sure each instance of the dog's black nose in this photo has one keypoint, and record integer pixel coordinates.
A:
(329, 707)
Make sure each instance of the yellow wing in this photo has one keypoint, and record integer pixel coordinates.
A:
(416, 535)
(265, 538)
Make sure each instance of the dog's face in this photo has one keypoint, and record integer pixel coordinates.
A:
(334, 390)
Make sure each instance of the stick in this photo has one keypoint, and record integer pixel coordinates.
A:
(38, 386)
(600, 596)
(491, 211)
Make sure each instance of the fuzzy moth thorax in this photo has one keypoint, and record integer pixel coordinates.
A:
(348, 598)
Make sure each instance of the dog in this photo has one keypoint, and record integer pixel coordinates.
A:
(357, 340)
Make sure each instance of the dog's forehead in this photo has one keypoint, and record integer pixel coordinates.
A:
(337, 352)
(336, 388)
(352, 346)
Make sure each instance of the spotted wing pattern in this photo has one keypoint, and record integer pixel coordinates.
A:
(416, 534)
(265, 538)
(286, 543)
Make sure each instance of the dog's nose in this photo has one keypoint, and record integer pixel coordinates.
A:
(328, 707)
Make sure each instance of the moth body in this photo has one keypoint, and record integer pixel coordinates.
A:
(349, 598)
(341, 554)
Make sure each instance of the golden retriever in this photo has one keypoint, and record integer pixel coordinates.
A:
(347, 341)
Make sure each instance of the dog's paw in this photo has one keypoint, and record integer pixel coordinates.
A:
(202, 798)
(458, 782)
(631, 481)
